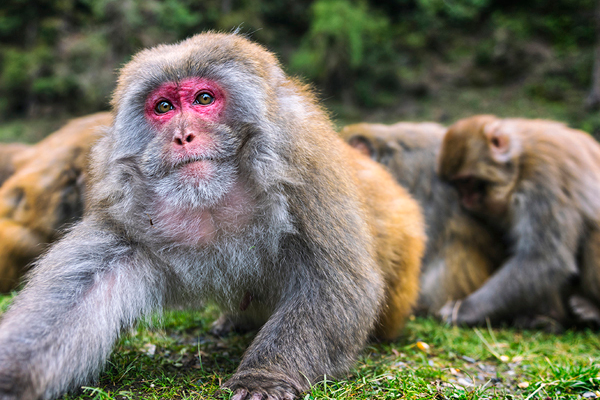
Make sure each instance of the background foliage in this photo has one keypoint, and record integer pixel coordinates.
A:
(391, 60)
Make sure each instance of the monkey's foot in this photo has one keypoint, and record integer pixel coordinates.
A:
(222, 326)
(226, 324)
(462, 312)
(263, 385)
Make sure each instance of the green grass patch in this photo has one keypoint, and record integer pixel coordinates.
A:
(175, 357)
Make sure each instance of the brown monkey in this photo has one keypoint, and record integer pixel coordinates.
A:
(538, 183)
(462, 252)
(220, 178)
(8, 152)
(43, 193)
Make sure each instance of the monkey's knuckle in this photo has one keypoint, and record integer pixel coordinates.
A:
(262, 386)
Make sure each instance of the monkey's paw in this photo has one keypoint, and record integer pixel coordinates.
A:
(449, 313)
(226, 324)
(585, 311)
(222, 326)
(263, 385)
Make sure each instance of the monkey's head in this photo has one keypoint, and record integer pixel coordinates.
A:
(190, 116)
(480, 159)
(381, 142)
(369, 139)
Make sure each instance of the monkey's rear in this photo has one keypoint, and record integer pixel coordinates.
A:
(221, 178)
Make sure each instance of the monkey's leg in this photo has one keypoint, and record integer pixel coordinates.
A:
(60, 329)
(402, 286)
(316, 331)
(525, 285)
(397, 309)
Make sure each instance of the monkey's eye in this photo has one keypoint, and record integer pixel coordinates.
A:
(204, 99)
(163, 106)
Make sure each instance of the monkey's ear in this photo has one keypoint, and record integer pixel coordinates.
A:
(364, 145)
(499, 141)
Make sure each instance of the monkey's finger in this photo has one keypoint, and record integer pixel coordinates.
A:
(240, 394)
(257, 396)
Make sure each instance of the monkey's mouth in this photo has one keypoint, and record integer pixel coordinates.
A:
(201, 168)
(471, 191)
(198, 159)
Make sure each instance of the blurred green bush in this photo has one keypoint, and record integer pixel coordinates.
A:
(61, 56)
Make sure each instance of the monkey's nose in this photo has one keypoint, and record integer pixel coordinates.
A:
(182, 140)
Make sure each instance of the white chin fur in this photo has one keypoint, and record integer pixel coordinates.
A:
(180, 192)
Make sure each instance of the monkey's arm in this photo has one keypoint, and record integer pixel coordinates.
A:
(532, 280)
(321, 324)
(60, 329)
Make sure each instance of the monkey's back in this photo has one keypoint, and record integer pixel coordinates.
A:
(569, 158)
(409, 151)
(397, 224)
(8, 153)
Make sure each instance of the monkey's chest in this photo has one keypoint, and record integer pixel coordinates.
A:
(236, 272)
(200, 227)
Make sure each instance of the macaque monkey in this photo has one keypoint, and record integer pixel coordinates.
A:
(8, 152)
(220, 179)
(462, 252)
(44, 192)
(538, 183)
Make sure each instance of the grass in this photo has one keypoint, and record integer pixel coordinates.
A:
(180, 359)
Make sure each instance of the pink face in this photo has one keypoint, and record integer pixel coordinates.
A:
(183, 113)
(191, 96)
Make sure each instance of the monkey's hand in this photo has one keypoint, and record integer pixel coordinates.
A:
(449, 312)
(262, 385)
(585, 311)
(222, 326)
(460, 312)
